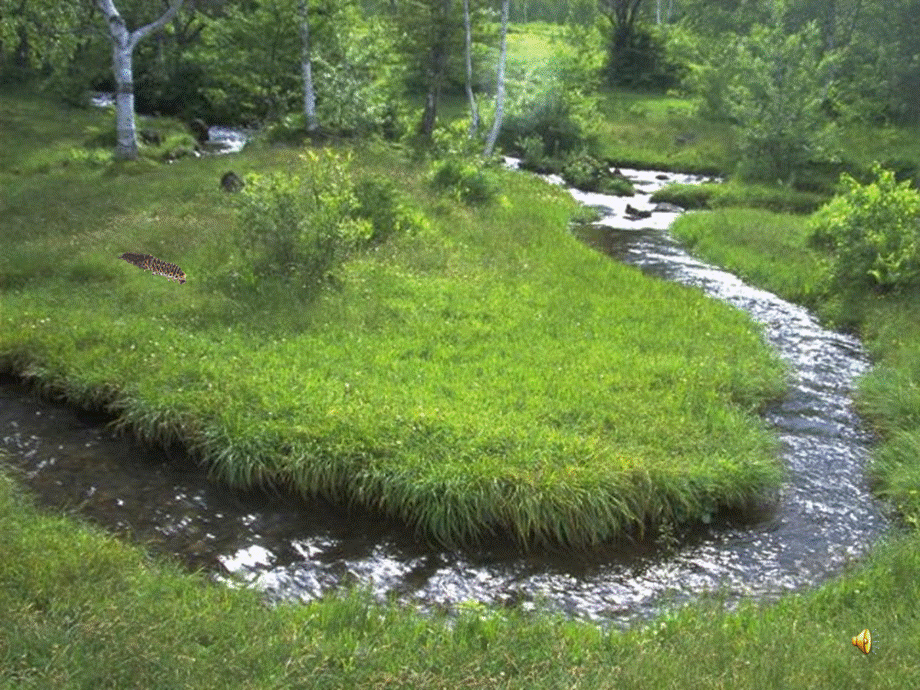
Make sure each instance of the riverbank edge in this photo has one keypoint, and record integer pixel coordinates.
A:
(770, 250)
(82, 609)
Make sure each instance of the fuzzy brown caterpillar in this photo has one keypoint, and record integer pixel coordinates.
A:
(155, 266)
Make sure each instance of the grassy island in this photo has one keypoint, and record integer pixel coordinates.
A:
(486, 373)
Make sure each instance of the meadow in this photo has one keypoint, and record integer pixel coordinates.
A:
(485, 374)
(490, 337)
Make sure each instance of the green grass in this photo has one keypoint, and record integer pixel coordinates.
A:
(489, 374)
(770, 250)
(650, 130)
(722, 194)
(81, 610)
(764, 248)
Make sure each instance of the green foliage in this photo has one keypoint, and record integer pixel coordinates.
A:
(639, 59)
(560, 114)
(532, 152)
(590, 174)
(429, 43)
(466, 179)
(252, 56)
(300, 225)
(387, 208)
(873, 231)
(358, 90)
(711, 76)
(776, 101)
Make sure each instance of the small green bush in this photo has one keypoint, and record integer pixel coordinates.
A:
(873, 231)
(300, 226)
(386, 208)
(589, 174)
(532, 151)
(562, 116)
(466, 179)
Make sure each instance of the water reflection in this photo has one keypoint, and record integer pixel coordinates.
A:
(823, 516)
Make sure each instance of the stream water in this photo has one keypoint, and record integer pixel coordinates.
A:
(824, 515)
(221, 140)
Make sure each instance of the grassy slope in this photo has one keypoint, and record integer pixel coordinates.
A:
(492, 373)
(80, 610)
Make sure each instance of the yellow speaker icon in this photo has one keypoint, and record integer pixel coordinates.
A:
(863, 641)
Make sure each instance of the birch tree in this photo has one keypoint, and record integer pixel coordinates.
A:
(123, 44)
(306, 68)
(500, 82)
(474, 111)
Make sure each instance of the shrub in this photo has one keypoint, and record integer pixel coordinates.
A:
(466, 179)
(300, 226)
(386, 208)
(559, 114)
(637, 57)
(873, 231)
(776, 101)
(532, 152)
(589, 174)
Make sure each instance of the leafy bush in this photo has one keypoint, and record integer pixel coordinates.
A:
(386, 208)
(466, 179)
(559, 114)
(776, 101)
(638, 58)
(590, 174)
(532, 152)
(873, 231)
(300, 226)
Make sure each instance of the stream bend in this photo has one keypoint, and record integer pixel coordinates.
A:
(825, 515)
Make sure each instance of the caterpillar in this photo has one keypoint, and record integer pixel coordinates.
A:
(155, 266)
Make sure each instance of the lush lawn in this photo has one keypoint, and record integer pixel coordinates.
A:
(80, 610)
(487, 374)
(765, 248)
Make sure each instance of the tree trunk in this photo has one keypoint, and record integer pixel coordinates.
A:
(500, 83)
(123, 44)
(474, 111)
(437, 68)
(306, 66)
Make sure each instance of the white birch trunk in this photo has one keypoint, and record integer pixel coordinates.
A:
(123, 44)
(306, 68)
(500, 83)
(474, 111)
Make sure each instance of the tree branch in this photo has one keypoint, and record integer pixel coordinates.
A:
(140, 33)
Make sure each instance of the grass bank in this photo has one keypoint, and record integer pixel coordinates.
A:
(82, 610)
(770, 250)
(488, 374)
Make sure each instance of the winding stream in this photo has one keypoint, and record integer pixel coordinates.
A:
(824, 516)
